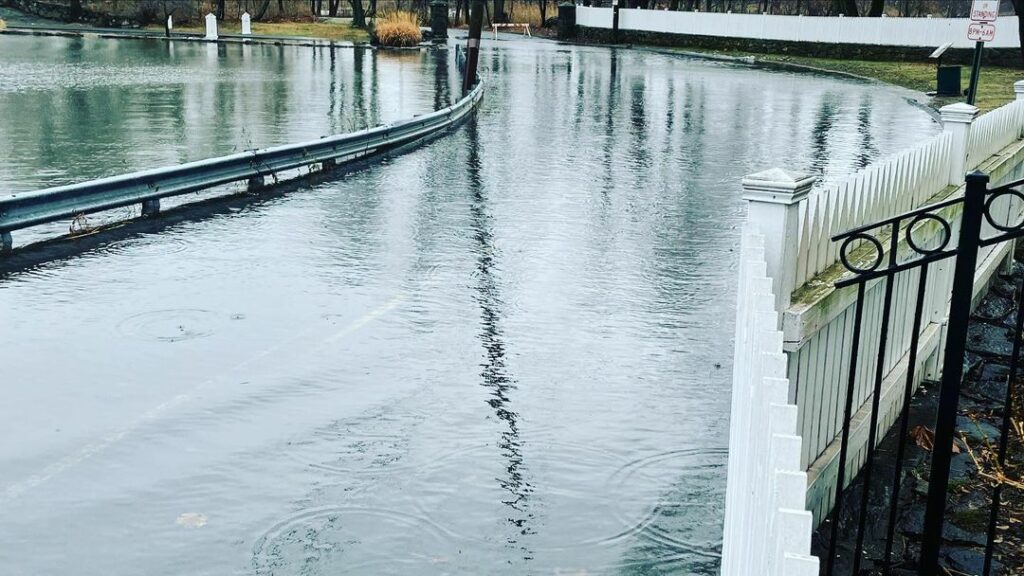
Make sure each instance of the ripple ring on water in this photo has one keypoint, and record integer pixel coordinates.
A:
(263, 554)
(172, 325)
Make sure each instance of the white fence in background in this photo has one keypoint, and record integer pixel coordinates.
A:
(767, 527)
(915, 32)
(795, 224)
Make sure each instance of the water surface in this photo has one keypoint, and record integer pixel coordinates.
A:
(507, 352)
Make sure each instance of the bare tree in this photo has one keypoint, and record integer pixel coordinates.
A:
(1018, 9)
(847, 7)
(358, 13)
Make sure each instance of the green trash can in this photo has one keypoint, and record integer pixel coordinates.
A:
(948, 81)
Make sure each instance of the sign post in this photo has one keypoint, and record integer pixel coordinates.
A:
(981, 29)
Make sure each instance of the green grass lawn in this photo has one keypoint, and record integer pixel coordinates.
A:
(995, 86)
(325, 30)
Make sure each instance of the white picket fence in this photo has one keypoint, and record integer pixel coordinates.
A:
(767, 527)
(796, 223)
(884, 189)
(914, 32)
(993, 131)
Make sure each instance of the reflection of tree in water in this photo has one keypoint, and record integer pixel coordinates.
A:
(609, 129)
(640, 149)
(820, 134)
(442, 86)
(867, 151)
(495, 375)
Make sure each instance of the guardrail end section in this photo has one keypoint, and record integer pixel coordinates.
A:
(151, 207)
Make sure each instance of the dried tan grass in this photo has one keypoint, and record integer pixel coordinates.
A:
(529, 14)
(398, 28)
(988, 464)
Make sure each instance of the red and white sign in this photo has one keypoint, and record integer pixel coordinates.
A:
(984, 11)
(981, 32)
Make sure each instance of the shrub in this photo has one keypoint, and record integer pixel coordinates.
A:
(3, 25)
(398, 28)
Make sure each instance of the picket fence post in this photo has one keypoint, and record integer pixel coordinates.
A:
(957, 119)
(773, 210)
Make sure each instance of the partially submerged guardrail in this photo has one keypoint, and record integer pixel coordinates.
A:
(148, 187)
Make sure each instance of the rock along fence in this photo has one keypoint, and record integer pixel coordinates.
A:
(821, 35)
(815, 319)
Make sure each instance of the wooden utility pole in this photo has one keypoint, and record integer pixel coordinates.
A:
(476, 23)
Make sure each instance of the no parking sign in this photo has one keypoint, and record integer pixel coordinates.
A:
(981, 30)
(985, 10)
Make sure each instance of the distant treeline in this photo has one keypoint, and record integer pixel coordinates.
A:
(147, 11)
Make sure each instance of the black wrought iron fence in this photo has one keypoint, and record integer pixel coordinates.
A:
(908, 246)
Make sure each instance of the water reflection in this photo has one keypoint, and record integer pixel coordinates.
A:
(497, 353)
(495, 373)
(868, 152)
(820, 143)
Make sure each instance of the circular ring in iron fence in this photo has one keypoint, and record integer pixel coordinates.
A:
(846, 246)
(988, 210)
(947, 234)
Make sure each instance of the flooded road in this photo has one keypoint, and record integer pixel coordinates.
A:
(506, 352)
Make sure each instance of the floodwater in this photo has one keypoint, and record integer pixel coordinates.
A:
(506, 352)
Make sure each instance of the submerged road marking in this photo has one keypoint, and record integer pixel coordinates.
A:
(14, 491)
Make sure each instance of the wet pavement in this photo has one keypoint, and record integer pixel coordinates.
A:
(506, 352)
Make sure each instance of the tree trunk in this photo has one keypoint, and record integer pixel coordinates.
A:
(877, 8)
(76, 9)
(1018, 9)
(358, 16)
(262, 11)
(498, 14)
(543, 12)
(220, 10)
(847, 7)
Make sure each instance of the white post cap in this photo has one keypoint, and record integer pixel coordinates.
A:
(960, 113)
(777, 186)
(1018, 89)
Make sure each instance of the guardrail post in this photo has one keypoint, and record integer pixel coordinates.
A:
(257, 183)
(211, 27)
(150, 207)
(957, 119)
(476, 23)
(6, 242)
(773, 210)
(615, 21)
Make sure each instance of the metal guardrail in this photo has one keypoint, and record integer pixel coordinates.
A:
(147, 187)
